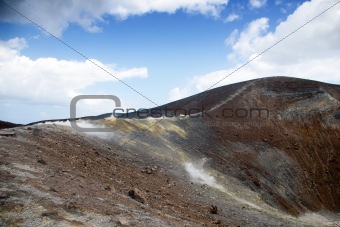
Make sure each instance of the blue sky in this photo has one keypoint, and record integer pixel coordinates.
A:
(166, 50)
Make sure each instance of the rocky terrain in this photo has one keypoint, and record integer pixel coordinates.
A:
(262, 153)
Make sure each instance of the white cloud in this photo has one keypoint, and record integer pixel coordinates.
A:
(15, 44)
(55, 16)
(232, 38)
(248, 38)
(179, 93)
(257, 3)
(310, 53)
(278, 2)
(232, 17)
(49, 80)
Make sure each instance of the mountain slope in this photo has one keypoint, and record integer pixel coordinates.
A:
(264, 152)
(291, 156)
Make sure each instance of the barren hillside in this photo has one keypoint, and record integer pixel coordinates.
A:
(263, 153)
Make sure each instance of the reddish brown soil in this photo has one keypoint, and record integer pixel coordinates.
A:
(87, 178)
(290, 159)
(301, 134)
